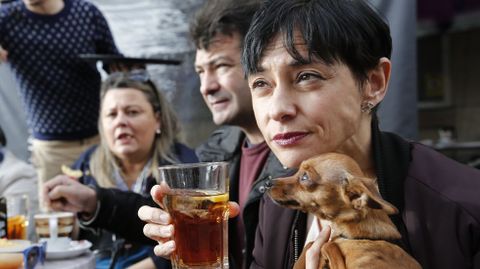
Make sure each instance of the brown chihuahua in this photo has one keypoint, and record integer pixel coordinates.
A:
(332, 187)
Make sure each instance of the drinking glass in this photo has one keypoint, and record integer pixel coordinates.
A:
(197, 200)
(17, 216)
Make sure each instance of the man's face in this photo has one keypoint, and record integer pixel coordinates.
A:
(222, 82)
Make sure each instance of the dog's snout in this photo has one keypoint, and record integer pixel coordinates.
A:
(268, 183)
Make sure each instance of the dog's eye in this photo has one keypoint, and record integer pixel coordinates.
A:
(304, 177)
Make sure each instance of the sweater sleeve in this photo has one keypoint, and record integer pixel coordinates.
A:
(103, 36)
(2, 24)
(118, 213)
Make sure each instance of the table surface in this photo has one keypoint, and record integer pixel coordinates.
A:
(85, 261)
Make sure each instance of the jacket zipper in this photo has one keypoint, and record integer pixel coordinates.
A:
(294, 244)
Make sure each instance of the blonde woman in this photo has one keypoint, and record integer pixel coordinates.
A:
(138, 132)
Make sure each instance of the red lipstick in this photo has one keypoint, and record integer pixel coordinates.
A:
(288, 139)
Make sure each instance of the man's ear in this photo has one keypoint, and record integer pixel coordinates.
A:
(377, 82)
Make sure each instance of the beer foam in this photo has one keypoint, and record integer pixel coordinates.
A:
(54, 215)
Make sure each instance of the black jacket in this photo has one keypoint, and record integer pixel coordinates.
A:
(225, 144)
(437, 198)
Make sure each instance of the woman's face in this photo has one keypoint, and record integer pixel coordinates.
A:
(129, 124)
(304, 110)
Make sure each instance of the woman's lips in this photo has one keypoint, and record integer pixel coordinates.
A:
(288, 139)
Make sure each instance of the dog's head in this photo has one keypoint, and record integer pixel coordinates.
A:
(331, 186)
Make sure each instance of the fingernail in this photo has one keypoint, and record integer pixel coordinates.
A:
(168, 230)
(164, 218)
(170, 245)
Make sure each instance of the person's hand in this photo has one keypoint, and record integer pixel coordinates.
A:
(312, 255)
(64, 193)
(3, 55)
(159, 227)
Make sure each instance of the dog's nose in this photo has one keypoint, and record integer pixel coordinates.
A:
(268, 183)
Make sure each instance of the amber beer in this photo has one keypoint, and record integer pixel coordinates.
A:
(196, 196)
(17, 227)
(200, 220)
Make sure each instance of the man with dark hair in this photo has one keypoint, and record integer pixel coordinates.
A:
(218, 30)
(317, 70)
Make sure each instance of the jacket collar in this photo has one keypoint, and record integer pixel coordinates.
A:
(392, 156)
(223, 144)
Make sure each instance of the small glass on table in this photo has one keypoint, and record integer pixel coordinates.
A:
(17, 213)
(197, 201)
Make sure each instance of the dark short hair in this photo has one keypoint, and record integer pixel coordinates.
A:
(221, 17)
(334, 31)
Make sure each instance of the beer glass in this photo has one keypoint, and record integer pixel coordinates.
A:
(17, 216)
(197, 201)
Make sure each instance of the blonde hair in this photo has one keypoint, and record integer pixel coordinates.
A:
(103, 161)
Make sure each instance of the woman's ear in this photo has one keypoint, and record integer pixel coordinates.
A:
(377, 82)
(158, 119)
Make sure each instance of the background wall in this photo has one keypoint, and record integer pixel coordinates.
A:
(152, 28)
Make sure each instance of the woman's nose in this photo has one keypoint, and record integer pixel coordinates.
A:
(282, 105)
(121, 119)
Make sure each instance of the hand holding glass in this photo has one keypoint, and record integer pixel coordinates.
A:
(197, 201)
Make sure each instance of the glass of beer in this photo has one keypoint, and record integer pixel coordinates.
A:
(17, 216)
(197, 201)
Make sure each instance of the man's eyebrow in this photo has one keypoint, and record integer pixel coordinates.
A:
(216, 60)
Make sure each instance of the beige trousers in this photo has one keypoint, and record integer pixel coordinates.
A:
(49, 156)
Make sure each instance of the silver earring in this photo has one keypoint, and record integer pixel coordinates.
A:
(158, 131)
(366, 107)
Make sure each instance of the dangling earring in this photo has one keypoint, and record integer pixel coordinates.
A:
(158, 131)
(366, 107)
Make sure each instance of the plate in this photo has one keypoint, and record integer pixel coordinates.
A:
(111, 58)
(76, 248)
(13, 245)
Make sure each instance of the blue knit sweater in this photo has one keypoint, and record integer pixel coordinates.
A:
(60, 92)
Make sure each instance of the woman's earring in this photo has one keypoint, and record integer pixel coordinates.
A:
(366, 107)
(158, 131)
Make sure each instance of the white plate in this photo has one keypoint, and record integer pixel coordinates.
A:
(16, 246)
(76, 248)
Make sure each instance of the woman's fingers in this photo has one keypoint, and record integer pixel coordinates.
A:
(164, 249)
(312, 256)
(158, 232)
(158, 192)
(154, 215)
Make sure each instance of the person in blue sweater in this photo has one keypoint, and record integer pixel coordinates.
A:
(109, 182)
(41, 40)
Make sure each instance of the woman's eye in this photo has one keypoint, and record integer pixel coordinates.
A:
(258, 84)
(308, 76)
(305, 77)
(132, 112)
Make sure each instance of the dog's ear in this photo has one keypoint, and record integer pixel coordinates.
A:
(362, 196)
